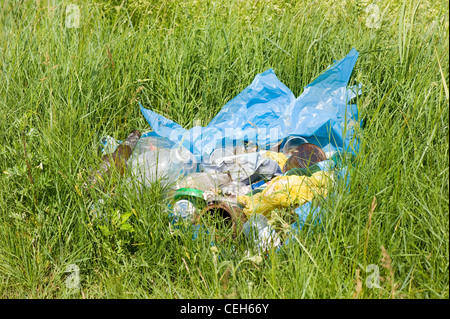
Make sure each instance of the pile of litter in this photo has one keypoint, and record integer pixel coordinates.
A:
(265, 150)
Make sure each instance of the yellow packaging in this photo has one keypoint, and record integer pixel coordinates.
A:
(285, 191)
(280, 158)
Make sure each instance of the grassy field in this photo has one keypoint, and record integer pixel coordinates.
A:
(62, 87)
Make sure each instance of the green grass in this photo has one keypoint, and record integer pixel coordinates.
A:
(60, 91)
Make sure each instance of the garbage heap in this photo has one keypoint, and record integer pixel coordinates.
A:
(265, 150)
(241, 185)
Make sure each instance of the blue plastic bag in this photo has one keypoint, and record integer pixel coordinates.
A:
(267, 112)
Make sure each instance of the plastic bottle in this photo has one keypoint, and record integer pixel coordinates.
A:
(292, 143)
(151, 143)
(203, 181)
(157, 158)
(109, 143)
(180, 155)
(115, 161)
(153, 165)
(185, 210)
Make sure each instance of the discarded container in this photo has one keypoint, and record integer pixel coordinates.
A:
(203, 181)
(117, 161)
(157, 158)
(292, 143)
(185, 158)
(231, 214)
(267, 113)
(178, 153)
(109, 143)
(195, 196)
(304, 156)
(151, 143)
(160, 164)
(185, 210)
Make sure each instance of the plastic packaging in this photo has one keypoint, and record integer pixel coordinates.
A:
(178, 154)
(155, 157)
(245, 147)
(117, 161)
(235, 188)
(285, 191)
(266, 112)
(189, 193)
(152, 143)
(185, 210)
(109, 143)
(153, 165)
(260, 233)
(242, 166)
(203, 181)
(257, 184)
(280, 158)
(219, 154)
(185, 158)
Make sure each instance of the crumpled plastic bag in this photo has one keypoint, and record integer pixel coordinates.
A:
(234, 189)
(242, 166)
(286, 191)
(267, 112)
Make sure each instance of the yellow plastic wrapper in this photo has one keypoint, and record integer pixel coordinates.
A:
(280, 158)
(285, 191)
